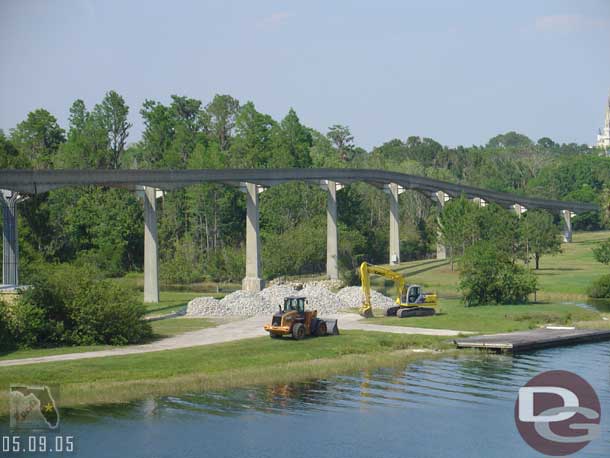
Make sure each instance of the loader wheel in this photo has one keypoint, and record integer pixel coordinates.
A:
(321, 331)
(298, 331)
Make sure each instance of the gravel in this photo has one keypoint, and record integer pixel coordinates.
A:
(320, 298)
(353, 297)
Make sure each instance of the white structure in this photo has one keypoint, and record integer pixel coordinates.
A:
(603, 138)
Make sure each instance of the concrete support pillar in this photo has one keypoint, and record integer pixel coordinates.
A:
(392, 190)
(567, 225)
(252, 281)
(441, 198)
(10, 242)
(151, 246)
(332, 237)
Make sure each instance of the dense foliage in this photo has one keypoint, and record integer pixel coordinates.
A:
(463, 223)
(201, 228)
(488, 275)
(68, 305)
(600, 288)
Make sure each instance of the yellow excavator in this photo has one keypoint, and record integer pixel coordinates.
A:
(411, 300)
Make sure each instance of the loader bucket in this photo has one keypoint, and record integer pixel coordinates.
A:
(332, 328)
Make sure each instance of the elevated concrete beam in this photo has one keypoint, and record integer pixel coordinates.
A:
(37, 181)
(10, 240)
(566, 216)
(393, 190)
(332, 235)
(441, 199)
(253, 280)
(151, 246)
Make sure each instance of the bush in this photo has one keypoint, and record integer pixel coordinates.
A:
(6, 338)
(601, 252)
(106, 313)
(489, 276)
(600, 288)
(69, 305)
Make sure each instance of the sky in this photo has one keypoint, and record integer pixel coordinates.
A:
(456, 71)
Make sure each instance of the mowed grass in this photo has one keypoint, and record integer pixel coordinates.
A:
(227, 365)
(174, 299)
(171, 301)
(563, 280)
(161, 329)
(175, 326)
(494, 318)
(40, 352)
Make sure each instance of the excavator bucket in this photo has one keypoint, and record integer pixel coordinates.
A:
(332, 328)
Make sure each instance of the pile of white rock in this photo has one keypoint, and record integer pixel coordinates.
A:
(265, 302)
(353, 296)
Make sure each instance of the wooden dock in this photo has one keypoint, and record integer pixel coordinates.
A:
(534, 339)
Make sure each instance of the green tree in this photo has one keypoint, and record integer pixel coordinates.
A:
(457, 226)
(602, 252)
(112, 114)
(292, 143)
(38, 138)
(158, 133)
(221, 116)
(489, 276)
(342, 140)
(540, 235)
(9, 155)
(253, 140)
(510, 139)
(87, 142)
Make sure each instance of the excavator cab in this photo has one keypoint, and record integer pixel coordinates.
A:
(411, 300)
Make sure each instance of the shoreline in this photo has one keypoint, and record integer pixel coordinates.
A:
(390, 353)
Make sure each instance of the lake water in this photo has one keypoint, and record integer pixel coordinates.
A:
(453, 407)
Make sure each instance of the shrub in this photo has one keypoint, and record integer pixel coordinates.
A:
(6, 338)
(489, 276)
(29, 326)
(600, 288)
(70, 305)
(106, 313)
(602, 252)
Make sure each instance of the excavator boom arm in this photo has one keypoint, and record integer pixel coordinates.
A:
(365, 270)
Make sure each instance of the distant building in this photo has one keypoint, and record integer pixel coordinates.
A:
(603, 137)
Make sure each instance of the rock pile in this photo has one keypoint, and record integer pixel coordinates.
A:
(352, 296)
(243, 303)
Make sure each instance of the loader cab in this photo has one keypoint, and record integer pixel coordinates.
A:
(295, 304)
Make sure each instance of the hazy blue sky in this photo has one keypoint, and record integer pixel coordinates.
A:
(457, 71)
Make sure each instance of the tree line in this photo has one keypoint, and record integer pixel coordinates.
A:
(201, 228)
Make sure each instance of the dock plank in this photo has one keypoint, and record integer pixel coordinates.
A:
(533, 339)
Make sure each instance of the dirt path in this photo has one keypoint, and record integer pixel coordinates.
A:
(235, 330)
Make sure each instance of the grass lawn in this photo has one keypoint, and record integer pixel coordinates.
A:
(562, 278)
(161, 329)
(174, 326)
(39, 352)
(232, 364)
(493, 318)
(171, 301)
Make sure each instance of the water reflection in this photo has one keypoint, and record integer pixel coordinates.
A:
(467, 398)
